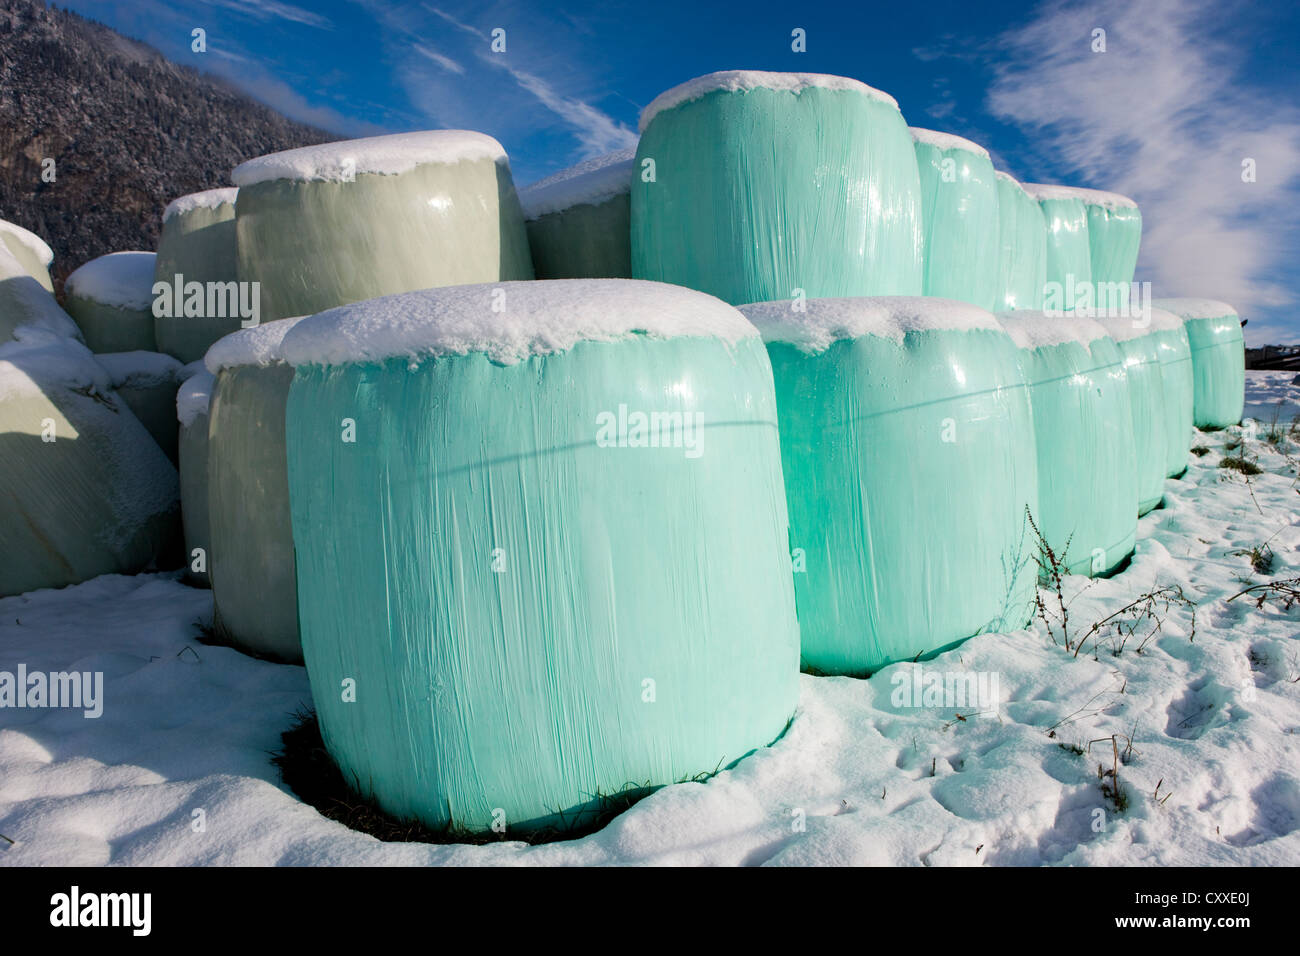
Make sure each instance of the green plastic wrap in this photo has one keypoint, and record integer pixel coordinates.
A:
(147, 382)
(959, 215)
(1180, 388)
(251, 560)
(192, 416)
(30, 250)
(908, 451)
(1069, 259)
(86, 490)
(1022, 254)
(25, 303)
(769, 186)
(198, 243)
(1218, 359)
(111, 299)
(324, 226)
(1083, 426)
(1139, 347)
(538, 609)
(579, 220)
(1114, 235)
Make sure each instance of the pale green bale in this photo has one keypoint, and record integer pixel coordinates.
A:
(1083, 427)
(251, 557)
(30, 250)
(88, 491)
(525, 558)
(147, 382)
(111, 299)
(1022, 247)
(1218, 352)
(1139, 346)
(1069, 259)
(198, 244)
(1180, 387)
(579, 220)
(192, 400)
(769, 186)
(908, 450)
(959, 216)
(323, 226)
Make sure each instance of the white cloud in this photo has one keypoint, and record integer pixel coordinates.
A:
(1166, 117)
(274, 10)
(446, 62)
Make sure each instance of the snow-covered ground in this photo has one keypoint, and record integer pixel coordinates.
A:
(1214, 721)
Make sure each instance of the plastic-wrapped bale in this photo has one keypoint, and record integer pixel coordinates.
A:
(192, 401)
(198, 245)
(1180, 388)
(908, 452)
(25, 303)
(1139, 347)
(30, 250)
(579, 220)
(1218, 359)
(1022, 247)
(147, 382)
(87, 490)
(546, 518)
(959, 217)
(1114, 234)
(769, 185)
(323, 226)
(111, 299)
(1083, 425)
(251, 560)
(1069, 259)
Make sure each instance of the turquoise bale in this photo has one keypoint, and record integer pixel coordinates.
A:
(1218, 359)
(764, 186)
(1139, 347)
(1069, 257)
(959, 216)
(908, 449)
(543, 547)
(1114, 235)
(1083, 425)
(1022, 247)
(1180, 388)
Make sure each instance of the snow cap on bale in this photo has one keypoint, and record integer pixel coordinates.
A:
(959, 207)
(194, 396)
(517, 433)
(111, 299)
(323, 226)
(207, 199)
(857, 381)
(260, 345)
(579, 220)
(773, 185)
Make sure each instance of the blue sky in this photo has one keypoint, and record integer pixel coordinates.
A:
(1186, 90)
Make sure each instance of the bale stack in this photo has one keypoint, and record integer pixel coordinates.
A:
(197, 245)
(768, 186)
(579, 220)
(908, 450)
(562, 526)
(959, 216)
(326, 225)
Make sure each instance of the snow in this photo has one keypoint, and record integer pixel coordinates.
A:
(946, 141)
(33, 242)
(824, 321)
(1215, 722)
(592, 182)
(25, 303)
(1089, 197)
(37, 358)
(509, 321)
(1008, 177)
(208, 199)
(742, 81)
(1126, 329)
(259, 345)
(140, 369)
(1196, 308)
(194, 397)
(1162, 320)
(120, 279)
(381, 155)
(1032, 329)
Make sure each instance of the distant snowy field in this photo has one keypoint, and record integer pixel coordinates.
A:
(1215, 722)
